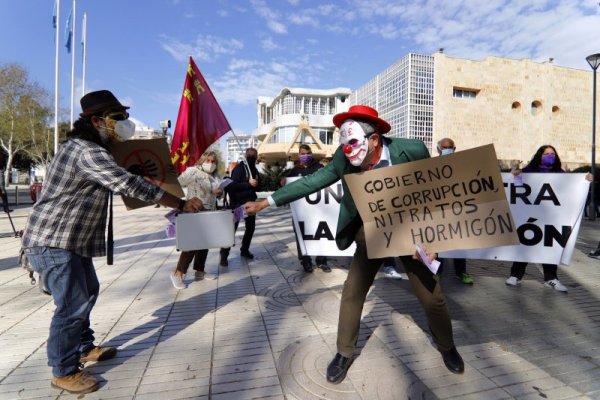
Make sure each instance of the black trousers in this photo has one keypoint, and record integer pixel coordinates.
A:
(518, 270)
(250, 222)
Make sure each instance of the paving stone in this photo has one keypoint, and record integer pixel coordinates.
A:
(266, 329)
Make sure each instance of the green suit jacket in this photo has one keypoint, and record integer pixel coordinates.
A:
(349, 221)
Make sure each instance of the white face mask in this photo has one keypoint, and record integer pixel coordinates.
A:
(125, 129)
(208, 167)
(445, 152)
(355, 144)
(118, 131)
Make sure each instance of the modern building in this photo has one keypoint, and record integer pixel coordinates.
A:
(297, 116)
(236, 148)
(517, 105)
(403, 94)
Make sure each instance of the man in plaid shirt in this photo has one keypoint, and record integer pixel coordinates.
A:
(66, 229)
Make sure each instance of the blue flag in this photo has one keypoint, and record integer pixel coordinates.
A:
(54, 16)
(69, 31)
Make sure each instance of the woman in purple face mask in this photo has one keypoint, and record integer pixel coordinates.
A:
(306, 165)
(545, 159)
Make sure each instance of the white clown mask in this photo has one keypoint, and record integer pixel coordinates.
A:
(354, 142)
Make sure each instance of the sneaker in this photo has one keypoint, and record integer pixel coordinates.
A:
(391, 272)
(201, 275)
(98, 353)
(465, 278)
(513, 281)
(177, 281)
(79, 382)
(555, 283)
(325, 268)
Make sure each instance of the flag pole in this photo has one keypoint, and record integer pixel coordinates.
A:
(84, 45)
(73, 61)
(56, 78)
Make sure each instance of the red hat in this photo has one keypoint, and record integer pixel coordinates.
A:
(363, 113)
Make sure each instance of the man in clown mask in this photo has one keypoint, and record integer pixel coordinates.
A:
(363, 147)
(66, 229)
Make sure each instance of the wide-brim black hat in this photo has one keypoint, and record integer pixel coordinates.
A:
(98, 102)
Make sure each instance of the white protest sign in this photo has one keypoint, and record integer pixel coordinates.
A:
(443, 203)
(315, 218)
(547, 208)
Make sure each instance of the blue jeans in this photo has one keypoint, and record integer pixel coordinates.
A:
(71, 280)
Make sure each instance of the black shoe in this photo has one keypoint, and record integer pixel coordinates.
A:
(307, 265)
(325, 267)
(337, 368)
(246, 254)
(453, 361)
(223, 261)
(594, 254)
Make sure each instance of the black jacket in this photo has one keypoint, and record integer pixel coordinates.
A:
(303, 170)
(240, 191)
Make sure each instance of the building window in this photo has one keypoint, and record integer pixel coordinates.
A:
(325, 136)
(536, 107)
(464, 93)
(288, 104)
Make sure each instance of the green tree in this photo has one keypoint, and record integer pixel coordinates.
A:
(270, 180)
(24, 116)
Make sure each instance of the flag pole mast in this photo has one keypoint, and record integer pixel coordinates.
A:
(84, 46)
(73, 19)
(56, 78)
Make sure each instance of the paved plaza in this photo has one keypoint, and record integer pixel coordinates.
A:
(265, 329)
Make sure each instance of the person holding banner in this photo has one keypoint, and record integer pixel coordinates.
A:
(306, 165)
(66, 228)
(545, 159)
(363, 147)
(243, 188)
(202, 182)
(446, 146)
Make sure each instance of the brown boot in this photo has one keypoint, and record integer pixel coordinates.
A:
(98, 354)
(78, 382)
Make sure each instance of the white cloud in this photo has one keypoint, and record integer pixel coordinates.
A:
(245, 80)
(206, 47)
(272, 18)
(269, 45)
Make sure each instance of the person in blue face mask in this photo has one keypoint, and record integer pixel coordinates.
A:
(444, 147)
(306, 165)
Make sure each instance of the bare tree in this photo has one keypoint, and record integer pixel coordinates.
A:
(23, 116)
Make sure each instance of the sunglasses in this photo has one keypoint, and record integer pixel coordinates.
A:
(117, 116)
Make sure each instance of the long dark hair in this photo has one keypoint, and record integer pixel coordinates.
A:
(84, 129)
(536, 161)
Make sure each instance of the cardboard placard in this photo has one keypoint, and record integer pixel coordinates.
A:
(151, 159)
(444, 203)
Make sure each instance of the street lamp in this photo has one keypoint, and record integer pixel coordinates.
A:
(594, 61)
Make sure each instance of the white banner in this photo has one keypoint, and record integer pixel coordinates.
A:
(315, 218)
(547, 209)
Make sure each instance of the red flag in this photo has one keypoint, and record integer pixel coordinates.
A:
(200, 121)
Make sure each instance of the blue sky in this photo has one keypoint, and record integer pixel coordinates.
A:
(250, 48)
